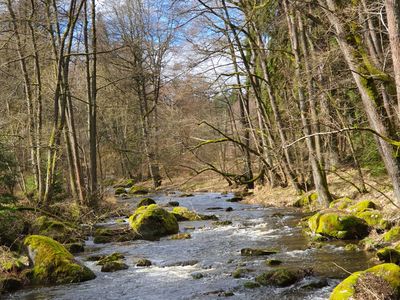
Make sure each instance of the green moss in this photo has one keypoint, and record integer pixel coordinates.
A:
(110, 258)
(280, 277)
(11, 262)
(238, 273)
(363, 206)
(119, 191)
(152, 222)
(351, 247)
(347, 288)
(338, 225)
(114, 266)
(389, 255)
(126, 183)
(181, 236)
(143, 262)
(146, 202)
(138, 190)
(341, 203)
(307, 201)
(373, 218)
(393, 235)
(59, 231)
(273, 262)
(184, 214)
(251, 285)
(53, 263)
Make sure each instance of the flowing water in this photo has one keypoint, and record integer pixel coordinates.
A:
(213, 252)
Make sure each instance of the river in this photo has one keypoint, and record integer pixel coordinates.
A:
(213, 252)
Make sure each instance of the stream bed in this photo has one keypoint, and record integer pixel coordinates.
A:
(211, 255)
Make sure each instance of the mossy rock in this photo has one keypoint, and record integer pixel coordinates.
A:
(181, 236)
(222, 223)
(362, 206)
(184, 214)
(197, 276)
(251, 285)
(373, 218)
(389, 255)
(240, 272)
(53, 264)
(126, 183)
(119, 191)
(173, 203)
(307, 201)
(341, 203)
(383, 279)
(393, 235)
(114, 266)
(273, 262)
(370, 244)
(138, 190)
(279, 277)
(257, 252)
(109, 235)
(116, 256)
(351, 247)
(338, 224)
(75, 247)
(235, 199)
(152, 222)
(145, 202)
(143, 262)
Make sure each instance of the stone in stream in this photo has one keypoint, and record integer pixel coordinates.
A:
(145, 202)
(214, 208)
(152, 222)
(108, 235)
(278, 277)
(184, 214)
(183, 263)
(383, 280)
(75, 247)
(389, 255)
(234, 199)
(197, 276)
(251, 285)
(181, 236)
(138, 190)
(119, 191)
(228, 209)
(273, 262)
(9, 283)
(173, 203)
(222, 223)
(143, 262)
(116, 256)
(114, 266)
(53, 264)
(256, 252)
(240, 272)
(185, 195)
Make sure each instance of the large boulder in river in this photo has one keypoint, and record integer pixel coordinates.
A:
(382, 280)
(338, 224)
(53, 264)
(152, 222)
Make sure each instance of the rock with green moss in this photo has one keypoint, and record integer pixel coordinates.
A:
(383, 280)
(181, 236)
(109, 235)
(143, 262)
(389, 255)
(257, 252)
(373, 218)
(393, 235)
(240, 272)
(116, 256)
(338, 224)
(57, 230)
(138, 190)
(362, 206)
(146, 202)
(53, 264)
(120, 191)
(152, 222)
(126, 183)
(251, 285)
(273, 262)
(307, 201)
(351, 247)
(75, 247)
(222, 223)
(341, 203)
(114, 266)
(184, 214)
(370, 244)
(279, 277)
